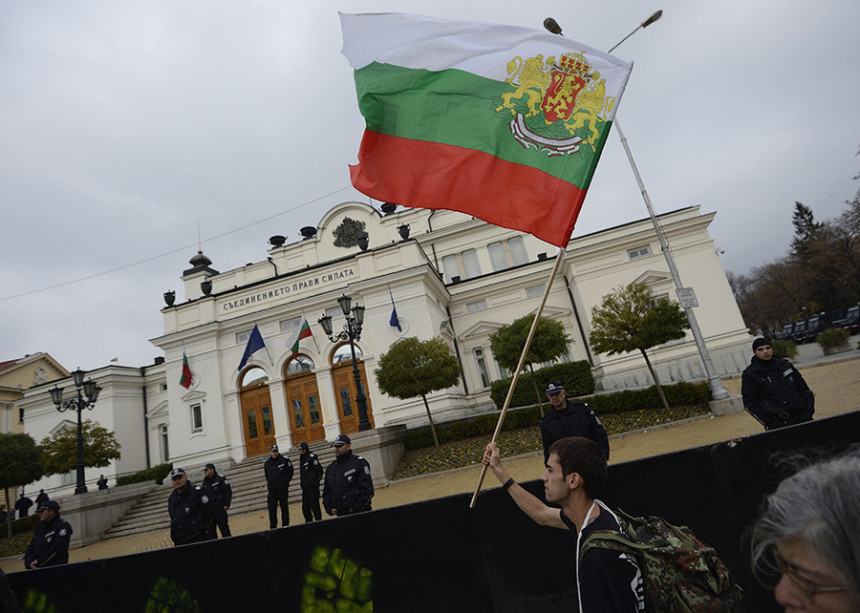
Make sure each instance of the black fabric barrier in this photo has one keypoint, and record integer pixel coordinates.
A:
(440, 555)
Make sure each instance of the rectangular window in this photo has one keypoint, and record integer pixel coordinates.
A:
(470, 263)
(165, 449)
(481, 364)
(535, 291)
(638, 252)
(298, 414)
(450, 268)
(252, 423)
(196, 418)
(268, 428)
(289, 325)
(518, 250)
(20, 415)
(474, 307)
(242, 337)
(313, 407)
(345, 401)
(497, 256)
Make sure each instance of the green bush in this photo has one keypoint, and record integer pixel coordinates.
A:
(832, 338)
(155, 473)
(20, 526)
(679, 394)
(576, 378)
(784, 348)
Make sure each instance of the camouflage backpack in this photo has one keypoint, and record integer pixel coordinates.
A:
(680, 573)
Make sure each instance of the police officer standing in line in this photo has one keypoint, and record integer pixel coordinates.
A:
(22, 505)
(773, 390)
(310, 473)
(220, 494)
(185, 507)
(348, 487)
(569, 418)
(50, 544)
(41, 499)
(279, 472)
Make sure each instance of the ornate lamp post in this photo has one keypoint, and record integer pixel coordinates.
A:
(91, 391)
(351, 332)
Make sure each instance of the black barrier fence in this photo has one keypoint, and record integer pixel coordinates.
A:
(440, 555)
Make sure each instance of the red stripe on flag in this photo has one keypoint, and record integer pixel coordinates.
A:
(436, 176)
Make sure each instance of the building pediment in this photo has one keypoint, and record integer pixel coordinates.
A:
(653, 277)
(63, 425)
(158, 410)
(193, 396)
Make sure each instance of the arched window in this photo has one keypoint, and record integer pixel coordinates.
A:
(300, 364)
(343, 354)
(254, 376)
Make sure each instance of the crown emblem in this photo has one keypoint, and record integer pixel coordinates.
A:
(574, 63)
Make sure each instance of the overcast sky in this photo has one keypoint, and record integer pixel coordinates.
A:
(125, 126)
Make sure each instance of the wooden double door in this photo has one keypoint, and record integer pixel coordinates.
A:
(304, 408)
(257, 420)
(345, 393)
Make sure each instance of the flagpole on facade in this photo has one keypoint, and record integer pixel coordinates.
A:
(519, 369)
(718, 390)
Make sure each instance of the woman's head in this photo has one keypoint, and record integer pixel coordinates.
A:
(810, 531)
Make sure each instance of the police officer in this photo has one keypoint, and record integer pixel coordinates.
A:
(50, 544)
(348, 487)
(569, 418)
(310, 473)
(773, 391)
(220, 494)
(185, 507)
(22, 505)
(279, 472)
(102, 482)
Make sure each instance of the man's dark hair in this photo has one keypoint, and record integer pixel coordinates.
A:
(577, 454)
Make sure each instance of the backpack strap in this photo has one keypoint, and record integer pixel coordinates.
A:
(579, 556)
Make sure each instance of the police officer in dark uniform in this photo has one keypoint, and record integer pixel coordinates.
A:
(220, 494)
(348, 487)
(50, 544)
(773, 390)
(310, 473)
(279, 472)
(22, 505)
(569, 418)
(185, 507)
(41, 499)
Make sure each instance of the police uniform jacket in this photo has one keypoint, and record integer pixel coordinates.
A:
(279, 471)
(310, 470)
(218, 489)
(775, 392)
(186, 514)
(348, 486)
(50, 544)
(576, 419)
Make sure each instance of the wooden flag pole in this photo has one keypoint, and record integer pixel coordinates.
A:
(519, 369)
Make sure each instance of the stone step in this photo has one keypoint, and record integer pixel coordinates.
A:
(247, 479)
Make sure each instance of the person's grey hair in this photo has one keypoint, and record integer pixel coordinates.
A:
(820, 505)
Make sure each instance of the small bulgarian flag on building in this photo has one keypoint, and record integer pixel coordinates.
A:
(186, 379)
(304, 331)
(501, 122)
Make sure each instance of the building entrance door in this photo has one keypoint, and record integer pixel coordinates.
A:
(345, 393)
(256, 415)
(304, 409)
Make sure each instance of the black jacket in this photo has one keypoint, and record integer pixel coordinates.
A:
(218, 489)
(776, 393)
(310, 470)
(279, 472)
(50, 544)
(186, 515)
(577, 419)
(348, 487)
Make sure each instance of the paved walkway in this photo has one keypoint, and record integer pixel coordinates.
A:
(835, 381)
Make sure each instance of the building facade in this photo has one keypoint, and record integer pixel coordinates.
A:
(447, 274)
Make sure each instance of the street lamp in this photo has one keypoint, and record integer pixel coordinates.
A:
(91, 391)
(717, 389)
(351, 332)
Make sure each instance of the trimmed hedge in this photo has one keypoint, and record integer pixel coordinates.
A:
(20, 526)
(576, 378)
(678, 394)
(156, 473)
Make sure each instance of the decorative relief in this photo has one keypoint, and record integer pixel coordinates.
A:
(348, 233)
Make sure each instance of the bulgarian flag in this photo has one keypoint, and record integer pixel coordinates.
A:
(500, 122)
(185, 379)
(304, 331)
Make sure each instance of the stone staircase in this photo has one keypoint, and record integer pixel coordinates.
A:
(247, 479)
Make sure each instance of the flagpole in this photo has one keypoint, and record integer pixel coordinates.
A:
(519, 369)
